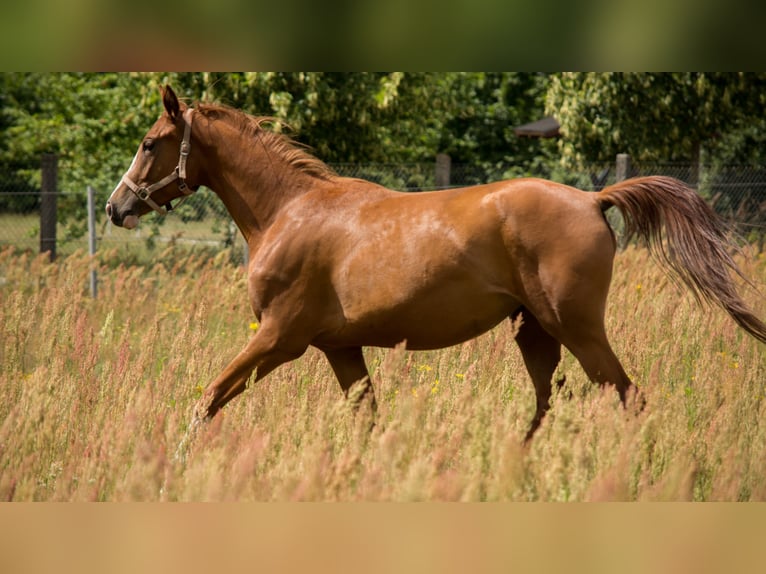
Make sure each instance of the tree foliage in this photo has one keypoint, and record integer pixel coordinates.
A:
(485, 109)
(656, 116)
(95, 121)
(345, 117)
(388, 117)
(83, 118)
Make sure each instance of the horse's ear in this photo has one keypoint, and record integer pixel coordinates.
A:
(170, 101)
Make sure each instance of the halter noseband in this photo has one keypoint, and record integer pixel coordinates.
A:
(179, 173)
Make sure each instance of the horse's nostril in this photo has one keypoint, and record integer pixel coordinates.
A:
(109, 210)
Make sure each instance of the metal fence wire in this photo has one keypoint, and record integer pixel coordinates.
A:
(738, 193)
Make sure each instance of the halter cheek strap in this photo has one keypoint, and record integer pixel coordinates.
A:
(179, 173)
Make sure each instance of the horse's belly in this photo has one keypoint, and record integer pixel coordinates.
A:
(431, 322)
(450, 327)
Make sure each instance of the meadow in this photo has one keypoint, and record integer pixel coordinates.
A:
(96, 395)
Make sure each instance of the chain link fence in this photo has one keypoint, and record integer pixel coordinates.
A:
(201, 223)
(736, 192)
(19, 212)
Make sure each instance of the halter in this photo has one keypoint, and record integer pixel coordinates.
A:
(179, 173)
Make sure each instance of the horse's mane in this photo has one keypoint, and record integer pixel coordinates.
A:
(292, 152)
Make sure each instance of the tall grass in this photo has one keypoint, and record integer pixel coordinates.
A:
(96, 395)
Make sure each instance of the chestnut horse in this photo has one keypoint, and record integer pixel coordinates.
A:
(342, 263)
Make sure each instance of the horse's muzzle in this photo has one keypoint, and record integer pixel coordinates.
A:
(128, 220)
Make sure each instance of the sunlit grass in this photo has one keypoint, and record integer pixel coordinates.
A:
(96, 395)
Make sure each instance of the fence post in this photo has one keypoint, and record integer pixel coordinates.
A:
(622, 166)
(92, 241)
(442, 170)
(48, 206)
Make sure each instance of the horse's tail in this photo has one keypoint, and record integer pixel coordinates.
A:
(694, 245)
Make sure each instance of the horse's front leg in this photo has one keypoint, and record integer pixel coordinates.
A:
(263, 353)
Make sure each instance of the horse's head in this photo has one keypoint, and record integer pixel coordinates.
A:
(159, 170)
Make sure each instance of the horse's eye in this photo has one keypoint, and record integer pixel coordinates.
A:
(148, 145)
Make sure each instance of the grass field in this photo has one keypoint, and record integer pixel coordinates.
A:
(95, 396)
(141, 245)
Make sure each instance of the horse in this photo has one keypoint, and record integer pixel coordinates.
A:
(339, 263)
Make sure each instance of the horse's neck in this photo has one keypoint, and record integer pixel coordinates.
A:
(254, 186)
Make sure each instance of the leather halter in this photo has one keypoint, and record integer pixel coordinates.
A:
(179, 173)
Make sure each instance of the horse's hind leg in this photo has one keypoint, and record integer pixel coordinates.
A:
(580, 328)
(541, 353)
(597, 358)
(349, 368)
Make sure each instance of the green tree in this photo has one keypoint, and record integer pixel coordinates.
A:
(344, 117)
(653, 116)
(92, 121)
(484, 108)
(389, 117)
(95, 121)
